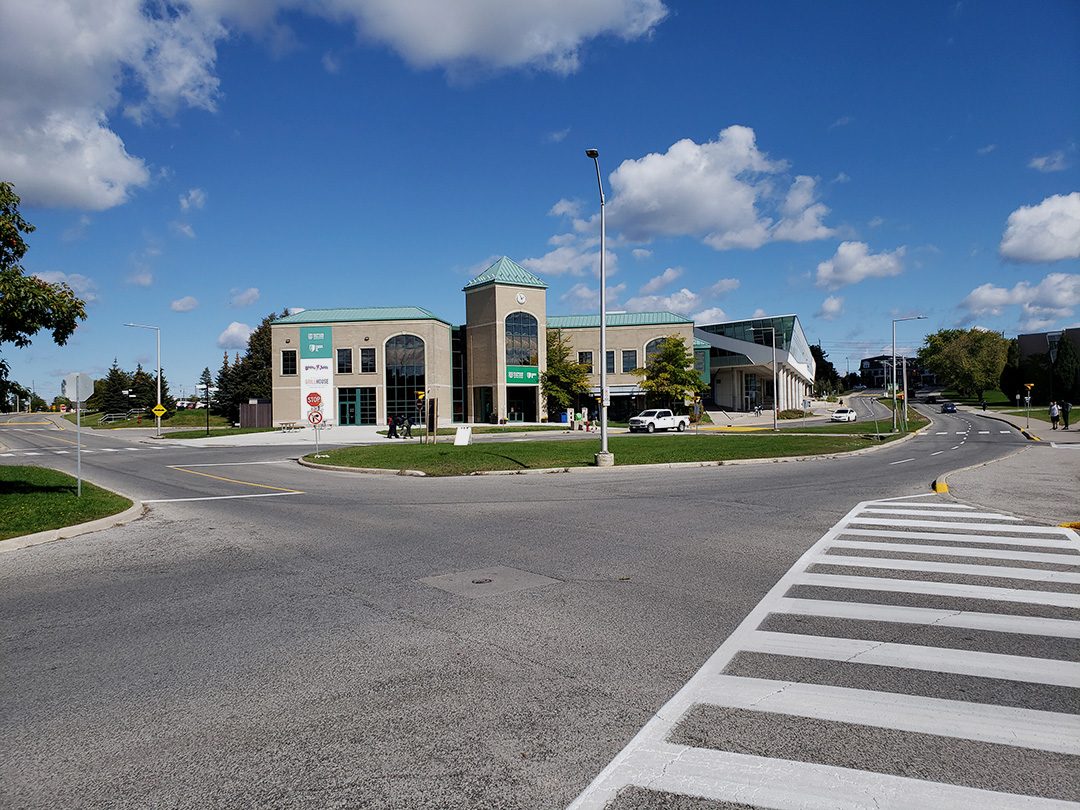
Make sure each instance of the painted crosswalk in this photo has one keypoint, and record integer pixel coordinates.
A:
(67, 451)
(922, 654)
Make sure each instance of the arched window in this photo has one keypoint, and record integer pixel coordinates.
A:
(652, 347)
(405, 374)
(521, 340)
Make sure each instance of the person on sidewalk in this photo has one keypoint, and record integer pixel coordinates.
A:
(1055, 414)
(406, 421)
(391, 428)
(1065, 408)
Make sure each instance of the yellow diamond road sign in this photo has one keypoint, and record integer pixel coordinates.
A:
(158, 410)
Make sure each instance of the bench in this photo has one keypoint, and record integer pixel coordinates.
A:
(291, 427)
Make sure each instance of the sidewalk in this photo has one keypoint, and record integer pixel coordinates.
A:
(1040, 481)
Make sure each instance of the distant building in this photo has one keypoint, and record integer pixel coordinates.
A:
(876, 372)
(364, 364)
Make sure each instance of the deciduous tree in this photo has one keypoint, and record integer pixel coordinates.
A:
(969, 360)
(670, 378)
(565, 379)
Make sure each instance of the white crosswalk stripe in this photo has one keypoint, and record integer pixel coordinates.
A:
(913, 608)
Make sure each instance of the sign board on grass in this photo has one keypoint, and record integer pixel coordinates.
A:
(158, 410)
(463, 437)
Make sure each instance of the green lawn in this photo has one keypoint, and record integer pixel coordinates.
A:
(216, 431)
(884, 425)
(185, 418)
(994, 397)
(34, 499)
(446, 459)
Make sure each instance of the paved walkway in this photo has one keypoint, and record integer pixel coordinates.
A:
(1042, 481)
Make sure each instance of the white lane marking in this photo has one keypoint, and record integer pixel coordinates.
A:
(960, 569)
(233, 463)
(962, 538)
(905, 461)
(928, 512)
(28, 453)
(7, 455)
(1000, 725)
(947, 524)
(953, 551)
(957, 447)
(61, 452)
(942, 433)
(904, 614)
(1057, 446)
(787, 785)
(961, 433)
(951, 589)
(222, 497)
(1050, 671)
(938, 453)
(1004, 431)
(921, 505)
(109, 450)
(984, 432)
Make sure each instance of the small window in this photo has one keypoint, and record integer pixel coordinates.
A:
(367, 361)
(585, 359)
(609, 362)
(344, 361)
(629, 361)
(288, 363)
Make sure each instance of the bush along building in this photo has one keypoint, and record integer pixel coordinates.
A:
(368, 363)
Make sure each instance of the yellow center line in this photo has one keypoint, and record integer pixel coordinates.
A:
(235, 480)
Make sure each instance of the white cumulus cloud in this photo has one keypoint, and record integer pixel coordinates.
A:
(194, 198)
(724, 286)
(710, 315)
(185, 304)
(1053, 162)
(854, 262)
(641, 253)
(235, 336)
(1041, 305)
(1047, 232)
(583, 298)
(183, 228)
(141, 278)
(831, 308)
(721, 192)
(657, 283)
(84, 286)
(244, 298)
(681, 301)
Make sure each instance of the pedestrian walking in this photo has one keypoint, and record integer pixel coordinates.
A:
(1065, 408)
(1055, 414)
(406, 422)
(391, 428)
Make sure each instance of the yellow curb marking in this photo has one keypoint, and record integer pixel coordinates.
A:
(236, 480)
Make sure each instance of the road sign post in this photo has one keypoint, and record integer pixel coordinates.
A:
(315, 416)
(1027, 403)
(81, 385)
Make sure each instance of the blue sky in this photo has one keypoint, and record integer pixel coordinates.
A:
(203, 164)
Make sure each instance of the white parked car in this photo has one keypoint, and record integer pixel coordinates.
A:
(658, 419)
(843, 415)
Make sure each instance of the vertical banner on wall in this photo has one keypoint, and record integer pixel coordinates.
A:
(317, 370)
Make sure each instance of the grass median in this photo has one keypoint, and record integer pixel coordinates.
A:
(35, 499)
(446, 459)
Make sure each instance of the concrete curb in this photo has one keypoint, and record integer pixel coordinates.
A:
(134, 512)
(1026, 433)
(995, 507)
(646, 467)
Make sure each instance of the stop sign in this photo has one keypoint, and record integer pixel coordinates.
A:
(314, 399)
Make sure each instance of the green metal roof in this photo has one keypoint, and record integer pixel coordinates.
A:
(506, 271)
(701, 344)
(615, 319)
(346, 314)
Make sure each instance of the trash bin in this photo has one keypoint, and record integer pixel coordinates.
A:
(564, 418)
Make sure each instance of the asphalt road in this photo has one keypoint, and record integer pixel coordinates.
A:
(271, 635)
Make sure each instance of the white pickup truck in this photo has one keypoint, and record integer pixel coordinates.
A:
(658, 419)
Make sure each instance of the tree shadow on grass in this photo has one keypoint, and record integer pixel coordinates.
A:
(26, 488)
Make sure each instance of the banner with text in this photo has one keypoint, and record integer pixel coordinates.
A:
(317, 369)
(522, 375)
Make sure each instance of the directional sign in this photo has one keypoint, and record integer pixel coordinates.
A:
(314, 399)
(82, 382)
(158, 410)
(315, 417)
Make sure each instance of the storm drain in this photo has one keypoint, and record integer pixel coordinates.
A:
(485, 581)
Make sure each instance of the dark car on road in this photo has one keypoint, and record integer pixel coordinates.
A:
(948, 407)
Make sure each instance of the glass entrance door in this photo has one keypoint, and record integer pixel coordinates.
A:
(346, 406)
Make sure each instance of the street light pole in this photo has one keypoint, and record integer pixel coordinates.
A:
(775, 393)
(156, 329)
(896, 321)
(603, 458)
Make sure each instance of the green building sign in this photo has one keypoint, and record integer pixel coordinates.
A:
(316, 341)
(522, 375)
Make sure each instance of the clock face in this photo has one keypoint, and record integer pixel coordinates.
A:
(521, 298)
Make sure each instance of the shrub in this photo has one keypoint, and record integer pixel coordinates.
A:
(794, 413)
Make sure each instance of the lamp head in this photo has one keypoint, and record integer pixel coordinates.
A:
(592, 153)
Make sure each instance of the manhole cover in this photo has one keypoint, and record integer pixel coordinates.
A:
(500, 579)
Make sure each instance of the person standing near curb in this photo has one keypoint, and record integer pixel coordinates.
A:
(1065, 408)
(1055, 414)
(391, 428)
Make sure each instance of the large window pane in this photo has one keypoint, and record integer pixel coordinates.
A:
(405, 374)
(521, 340)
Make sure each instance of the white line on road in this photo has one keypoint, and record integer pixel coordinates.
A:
(957, 447)
(233, 463)
(905, 461)
(961, 538)
(1000, 725)
(938, 453)
(929, 588)
(927, 512)
(984, 432)
(942, 433)
(953, 551)
(960, 569)
(904, 614)
(946, 524)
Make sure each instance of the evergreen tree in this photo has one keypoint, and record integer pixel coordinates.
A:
(1011, 380)
(564, 380)
(670, 377)
(113, 398)
(826, 377)
(1066, 371)
(206, 386)
(223, 397)
(144, 388)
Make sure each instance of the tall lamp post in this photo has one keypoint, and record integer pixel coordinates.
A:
(895, 321)
(603, 458)
(157, 330)
(775, 393)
